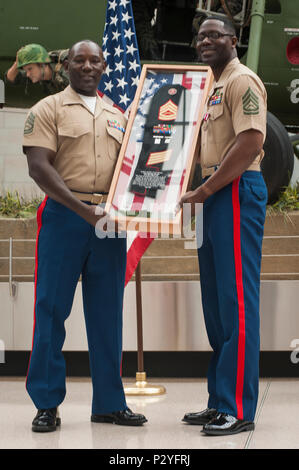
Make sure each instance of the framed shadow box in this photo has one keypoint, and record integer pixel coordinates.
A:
(160, 148)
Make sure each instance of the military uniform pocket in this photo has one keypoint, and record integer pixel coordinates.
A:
(216, 111)
(252, 190)
(73, 130)
(115, 139)
(73, 140)
(259, 191)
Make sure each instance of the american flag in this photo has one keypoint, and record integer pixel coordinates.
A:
(118, 86)
(120, 49)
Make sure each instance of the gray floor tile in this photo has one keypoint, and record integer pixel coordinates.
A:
(164, 429)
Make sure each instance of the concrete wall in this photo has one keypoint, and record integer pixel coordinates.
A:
(13, 164)
(172, 317)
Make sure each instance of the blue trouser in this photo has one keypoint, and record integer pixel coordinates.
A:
(230, 262)
(67, 247)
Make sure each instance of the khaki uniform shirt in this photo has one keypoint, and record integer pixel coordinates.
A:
(86, 145)
(236, 103)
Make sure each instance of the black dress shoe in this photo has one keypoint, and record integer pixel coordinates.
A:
(46, 420)
(201, 417)
(225, 424)
(125, 418)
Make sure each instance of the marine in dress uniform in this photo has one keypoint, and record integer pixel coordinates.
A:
(72, 140)
(234, 199)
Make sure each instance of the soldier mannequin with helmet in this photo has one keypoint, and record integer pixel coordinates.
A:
(34, 64)
(228, 7)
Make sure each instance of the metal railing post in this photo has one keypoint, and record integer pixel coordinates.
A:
(12, 284)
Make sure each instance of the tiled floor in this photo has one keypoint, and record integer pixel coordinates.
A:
(277, 419)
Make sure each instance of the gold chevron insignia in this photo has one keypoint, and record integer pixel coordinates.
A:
(250, 102)
(159, 157)
(168, 111)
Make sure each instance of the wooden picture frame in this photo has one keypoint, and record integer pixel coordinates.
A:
(159, 149)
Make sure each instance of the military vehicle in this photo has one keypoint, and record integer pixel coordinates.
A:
(268, 34)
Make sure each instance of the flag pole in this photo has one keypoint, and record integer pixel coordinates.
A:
(139, 318)
(141, 387)
(120, 36)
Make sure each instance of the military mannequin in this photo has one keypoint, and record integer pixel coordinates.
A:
(233, 7)
(34, 64)
(144, 11)
(197, 20)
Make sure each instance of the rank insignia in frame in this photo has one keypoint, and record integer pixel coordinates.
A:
(115, 125)
(156, 158)
(168, 111)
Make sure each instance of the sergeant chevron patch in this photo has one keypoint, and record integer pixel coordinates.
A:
(250, 102)
(29, 124)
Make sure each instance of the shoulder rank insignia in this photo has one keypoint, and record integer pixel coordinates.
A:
(250, 102)
(115, 125)
(168, 111)
(29, 124)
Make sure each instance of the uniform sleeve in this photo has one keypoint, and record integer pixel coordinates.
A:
(248, 103)
(20, 79)
(40, 126)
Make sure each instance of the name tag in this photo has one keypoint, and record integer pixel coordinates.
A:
(115, 125)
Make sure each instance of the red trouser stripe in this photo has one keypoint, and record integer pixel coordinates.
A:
(240, 296)
(39, 226)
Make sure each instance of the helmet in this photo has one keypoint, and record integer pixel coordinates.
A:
(32, 54)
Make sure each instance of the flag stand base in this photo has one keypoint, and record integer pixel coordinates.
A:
(142, 387)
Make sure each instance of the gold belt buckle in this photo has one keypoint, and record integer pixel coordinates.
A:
(97, 198)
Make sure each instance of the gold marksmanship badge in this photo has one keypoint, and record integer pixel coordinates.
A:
(29, 124)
